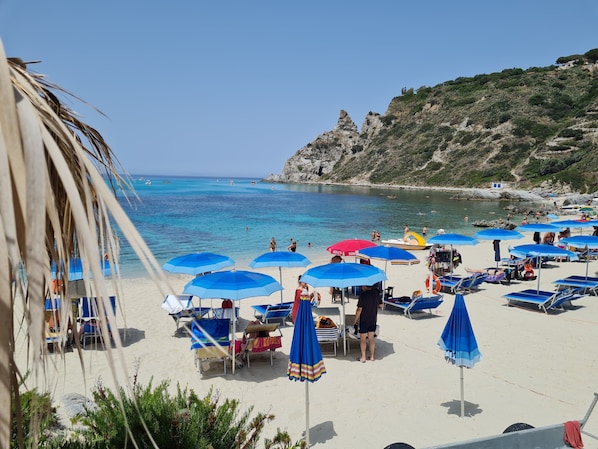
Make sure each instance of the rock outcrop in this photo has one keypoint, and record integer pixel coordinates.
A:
(319, 157)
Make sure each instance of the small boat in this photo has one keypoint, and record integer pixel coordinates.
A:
(412, 241)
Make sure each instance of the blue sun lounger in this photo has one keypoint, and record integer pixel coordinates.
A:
(268, 312)
(544, 300)
(417, 304)
(586, 285)
(454, 284)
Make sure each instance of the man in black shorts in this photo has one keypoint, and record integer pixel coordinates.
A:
(366, 317)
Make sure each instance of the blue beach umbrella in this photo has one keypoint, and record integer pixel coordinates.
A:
(197, 263)
(586, 242)
(305, 359)
(537, 227)
(576, 224)
(540, 250)
(458, 341)
(498, 234)
(76, 270)
(343, 275)
(396, 256)
(234, 285)
(280, 259)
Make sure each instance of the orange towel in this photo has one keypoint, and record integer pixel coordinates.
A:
(573, 434)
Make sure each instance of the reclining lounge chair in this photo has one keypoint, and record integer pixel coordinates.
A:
(417, 303)
(210, 340)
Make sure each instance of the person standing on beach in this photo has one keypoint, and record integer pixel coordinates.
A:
(273, 244)
(366, 317)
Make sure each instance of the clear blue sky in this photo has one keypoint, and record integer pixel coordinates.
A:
(234, 88)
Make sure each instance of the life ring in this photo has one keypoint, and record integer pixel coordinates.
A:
(436, 282)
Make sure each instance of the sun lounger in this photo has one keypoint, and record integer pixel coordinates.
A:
(57, 336)
(210, 340)
(454, 284)
(268, 312)
(416, 304)
(259, 338)
(181, 307)
(90, 318)
(327, 331)
(586, 285)
(544, 300)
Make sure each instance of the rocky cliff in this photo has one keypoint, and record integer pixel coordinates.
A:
(525, 128)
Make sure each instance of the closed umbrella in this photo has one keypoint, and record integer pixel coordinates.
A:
(280, 259)
(496, 235)
(343, 275)
(197, 263)
(305, 359)
(459, 343)
(540, 250)
(233, 285)
(586, 242)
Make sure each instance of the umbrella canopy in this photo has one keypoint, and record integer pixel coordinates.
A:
(498, 234)
(280, 259)
(197, 263)
(396, 256)
(537, 227)
(452, 239)
(76, 270)
(233, 285)
(586, 242)
(342, 275)
(305, 359)
(540, 250)
(579, 224)
(349, 247)
(458, 341)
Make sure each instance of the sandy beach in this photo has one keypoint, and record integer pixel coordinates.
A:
(536, 368)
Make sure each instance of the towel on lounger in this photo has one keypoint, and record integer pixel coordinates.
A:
(573, 434)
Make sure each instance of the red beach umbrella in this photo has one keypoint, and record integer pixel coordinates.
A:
(349, 247)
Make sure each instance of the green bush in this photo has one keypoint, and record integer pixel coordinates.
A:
(36, 417)
(155, 418)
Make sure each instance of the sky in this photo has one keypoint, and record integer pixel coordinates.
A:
(234, 88)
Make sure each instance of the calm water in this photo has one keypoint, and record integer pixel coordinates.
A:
(238, 217)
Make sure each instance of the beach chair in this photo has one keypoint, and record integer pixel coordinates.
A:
(544, 300)
(90, 318)
(497, 278)
(57, 336)
(272, 312)
(472, 283)
(181, 307)
(327, 332)
(416, 303)
(584, 284)
(260, 338)
(210, 341)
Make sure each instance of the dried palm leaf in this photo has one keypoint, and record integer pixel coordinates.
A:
(58, 179)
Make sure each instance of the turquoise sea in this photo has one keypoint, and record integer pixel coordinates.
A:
(237, 217)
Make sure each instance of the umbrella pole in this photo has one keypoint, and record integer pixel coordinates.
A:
(344, 325)
(307, 413)
(462, 394)
(280, 274)
(234, 338)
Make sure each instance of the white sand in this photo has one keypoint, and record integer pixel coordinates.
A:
(536, 368)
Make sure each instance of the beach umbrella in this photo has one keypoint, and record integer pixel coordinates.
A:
(540, 250)
(305, 359)
(197, 263)
(586, 242)
(575, 224)
(280, 259)
(452, 239)
(496, 235)
(459, 343)
(395, 256)
(234, 285)
(76, 271)
(349, 247)
(537, 227)
(343, 275)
